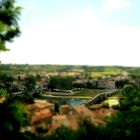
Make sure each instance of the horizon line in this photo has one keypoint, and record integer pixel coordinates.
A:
(69, 64)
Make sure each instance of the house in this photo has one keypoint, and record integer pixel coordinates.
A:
(136, 82)
(106, 84)
(39, 106)
(44, 115)
(19, 85)
(84, 111)
(64, 109)
(42, 85)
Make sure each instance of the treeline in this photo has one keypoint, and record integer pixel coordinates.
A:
(65, 68)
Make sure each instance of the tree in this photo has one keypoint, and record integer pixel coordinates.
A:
(124, 125)
(60, 83)
(30, 83)
(9, 28)
(3, 92)
(87, 130)
(5, 81)
(120, 83)
(12, 117)
(89, 85)
(62, 133)
(129, 90)
(52, 83)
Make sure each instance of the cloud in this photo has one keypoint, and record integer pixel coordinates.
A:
(77, 39)
(115, 4)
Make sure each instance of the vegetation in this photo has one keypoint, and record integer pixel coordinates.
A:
(5, 81)
(60, 83)
(82, 71)
(9, 15)
(120, 83)
(12, 116)
(88, 92)
(29, 83)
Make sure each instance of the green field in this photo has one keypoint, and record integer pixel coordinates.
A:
(90, 93)
(112, 101)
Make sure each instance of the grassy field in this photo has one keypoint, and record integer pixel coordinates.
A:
(90, 93)
(118, 94)
(106, 73)
(112, 101)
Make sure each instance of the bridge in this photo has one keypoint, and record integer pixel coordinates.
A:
(100, 97)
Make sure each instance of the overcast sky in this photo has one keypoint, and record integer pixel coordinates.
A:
(87, 32)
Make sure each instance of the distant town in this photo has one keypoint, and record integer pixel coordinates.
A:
(58, 95)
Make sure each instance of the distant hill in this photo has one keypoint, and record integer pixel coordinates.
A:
(93, 70)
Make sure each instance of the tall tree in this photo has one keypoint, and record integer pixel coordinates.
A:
(9, 28)
(5, 81)
(30, 83)
(13, 115)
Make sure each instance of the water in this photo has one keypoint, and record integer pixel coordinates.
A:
(75, 102)
(72, 102)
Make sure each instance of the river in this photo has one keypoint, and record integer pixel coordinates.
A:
(69, 101)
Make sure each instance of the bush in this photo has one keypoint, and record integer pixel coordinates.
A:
(105, 105)
(116, 107)
(40, 129)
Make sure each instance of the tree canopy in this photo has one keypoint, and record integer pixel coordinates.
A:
(9, 28)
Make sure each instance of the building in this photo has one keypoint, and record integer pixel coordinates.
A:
(64, 109)
(43, 115)
(106, 84)
(39, 106)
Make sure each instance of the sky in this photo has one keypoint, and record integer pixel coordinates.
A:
(78, 32)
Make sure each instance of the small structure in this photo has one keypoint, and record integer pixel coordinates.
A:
(44, 115)
(106, 84)
(64, 109)
(84, 111)
(39, 106)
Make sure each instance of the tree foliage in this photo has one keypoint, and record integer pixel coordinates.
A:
(9, 28)
(60, 83)
(12, 117)
(121, 83)
(5, 81)
(30, 83)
